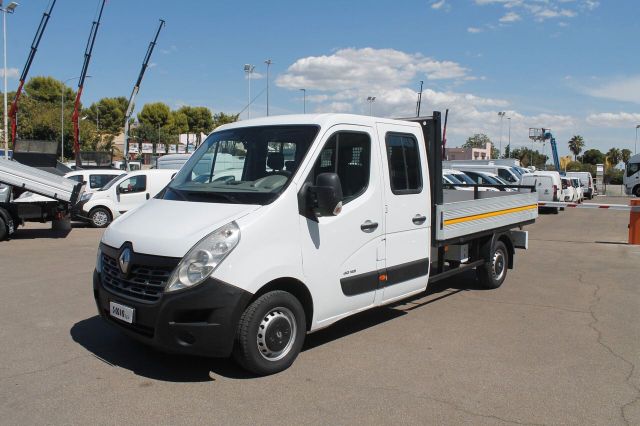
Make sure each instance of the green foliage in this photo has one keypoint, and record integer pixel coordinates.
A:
(574, 166)
(528, 157)
(576, 143)
(108, 114)
(221, 118)
(199, 120)
(626, 154)
(480, 140)
(593, 156)
(155, 114)
(614, 156)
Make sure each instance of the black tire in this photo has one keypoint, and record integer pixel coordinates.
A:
(100, 217)
(270, 333)
(493, 273)
(636, 191)
(4, 232)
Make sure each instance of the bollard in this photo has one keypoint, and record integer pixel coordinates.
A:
(634, 223)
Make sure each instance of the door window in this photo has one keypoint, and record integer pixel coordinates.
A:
(348, 154)
(632, 168)
(404, 164)
(133, 184)
(77, 178)
(98, 181)
(504, 174)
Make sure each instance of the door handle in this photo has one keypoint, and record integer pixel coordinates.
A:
(147, 195)
(418, 219)
(368, 226)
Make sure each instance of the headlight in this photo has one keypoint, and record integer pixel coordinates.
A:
(86, 196)
(198, 264)
(99, 261)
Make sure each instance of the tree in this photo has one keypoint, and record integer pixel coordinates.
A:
(576, 143)
(613, 156)
(108, 113)
(480, 140)
(155, 114)
(593, 156)
(199, 120)
(626, 154)
(221, 118)
(528, 157)
(45, 89)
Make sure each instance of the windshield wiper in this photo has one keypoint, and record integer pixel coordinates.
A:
(223, 196)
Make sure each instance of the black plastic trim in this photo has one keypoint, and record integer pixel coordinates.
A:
(370, 281)
(360, 284)
(406, 271)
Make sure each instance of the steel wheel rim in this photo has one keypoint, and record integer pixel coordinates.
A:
(498, 265)
(100, 218)
(276, 334)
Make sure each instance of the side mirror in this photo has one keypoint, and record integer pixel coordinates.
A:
(328, 194)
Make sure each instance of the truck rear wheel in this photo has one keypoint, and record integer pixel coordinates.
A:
(493, 273)
(636, 191)
(100, 217)
(4, 232)
(270, 333)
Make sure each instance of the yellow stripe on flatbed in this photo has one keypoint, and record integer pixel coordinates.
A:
(490, 214)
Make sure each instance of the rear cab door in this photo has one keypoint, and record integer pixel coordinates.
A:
(407, 211)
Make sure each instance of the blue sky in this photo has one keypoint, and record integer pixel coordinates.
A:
(569, 65)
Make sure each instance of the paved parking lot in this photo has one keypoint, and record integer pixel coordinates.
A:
(556, 344)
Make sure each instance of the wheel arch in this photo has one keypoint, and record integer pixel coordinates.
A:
(102, 206)
(294, 286)
(503, 237)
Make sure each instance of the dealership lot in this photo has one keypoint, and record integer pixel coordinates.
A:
(557, 343)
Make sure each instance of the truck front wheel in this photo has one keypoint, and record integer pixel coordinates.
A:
(270, 333)
(493, 273)
(636, 191)
(100, 217)
(4, 232)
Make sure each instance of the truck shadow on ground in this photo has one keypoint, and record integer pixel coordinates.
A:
(115, 349)
(46, 233)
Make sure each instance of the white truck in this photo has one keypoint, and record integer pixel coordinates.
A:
(52, 197)
(631, 178)
(355, 218)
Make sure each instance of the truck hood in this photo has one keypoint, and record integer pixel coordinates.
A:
(170, 228)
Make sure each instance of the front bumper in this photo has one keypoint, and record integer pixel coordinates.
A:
(198, 321)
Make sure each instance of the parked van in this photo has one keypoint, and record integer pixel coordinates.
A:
(172, 161)
(545, 186)
(631, 177)
(587, 180)
(121, 195)
(133, 165)
(93, 179)
(579, 189)
(568, 192)
(462, 177)
(508, 173)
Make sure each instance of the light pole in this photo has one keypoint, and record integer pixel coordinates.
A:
(248, 69)
(501, 114)
(11, 8)
(509, 118)
(64, 87)
(371, 100)
(304, 101)
(635, 145)
(268, 62)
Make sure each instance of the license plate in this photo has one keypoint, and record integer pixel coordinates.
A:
(121, 312)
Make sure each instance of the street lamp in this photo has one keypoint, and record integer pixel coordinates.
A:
(268, 62)
(501, 114)
(11, 8)
(248, 69)
(64, 86)
(635, 145)
(509, 118)
(371, 100)
(304, 101)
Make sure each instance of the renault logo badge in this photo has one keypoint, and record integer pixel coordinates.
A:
(125, 258)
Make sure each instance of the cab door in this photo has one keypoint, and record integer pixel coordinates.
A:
(131, 193)
(340, 253)
(407, 206)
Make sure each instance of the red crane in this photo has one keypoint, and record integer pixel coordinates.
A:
(13, 111)
(83, 75)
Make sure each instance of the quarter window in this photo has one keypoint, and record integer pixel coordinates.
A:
(632, 168)
(348, 154)
(404, 164)
(98, 181)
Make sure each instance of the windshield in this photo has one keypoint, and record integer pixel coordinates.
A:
(499, 180)
(112, 182)
(247, 165)
(452, 178)
(466, 179)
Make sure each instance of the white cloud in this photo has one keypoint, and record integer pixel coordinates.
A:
(474, 30)
(625, 89)
(510, 17)
(11, 72)
(614, 119)
(366, 68)
(440, 4)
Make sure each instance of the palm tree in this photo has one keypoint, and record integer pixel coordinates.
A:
(626, 154)
(576, 143)
(614, 156)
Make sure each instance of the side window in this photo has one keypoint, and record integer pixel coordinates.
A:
(632, 168)
(348, 154)
(404, 164)
(504, 174)
(133, 184)
(77, 178)
(98, 181)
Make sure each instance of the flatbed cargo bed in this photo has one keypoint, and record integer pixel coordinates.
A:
(461, 215)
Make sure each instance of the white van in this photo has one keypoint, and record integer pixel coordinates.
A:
(508, 173)
(546, 188)
(133, 165)
(93, 179)
(631, 177)
(587, 181)
(172, 161)
(121, 195)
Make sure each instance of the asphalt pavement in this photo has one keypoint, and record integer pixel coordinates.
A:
(556, 344)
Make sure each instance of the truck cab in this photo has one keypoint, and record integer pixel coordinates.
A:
(631, 177)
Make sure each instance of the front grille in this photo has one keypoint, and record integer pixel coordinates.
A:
(143, 283)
